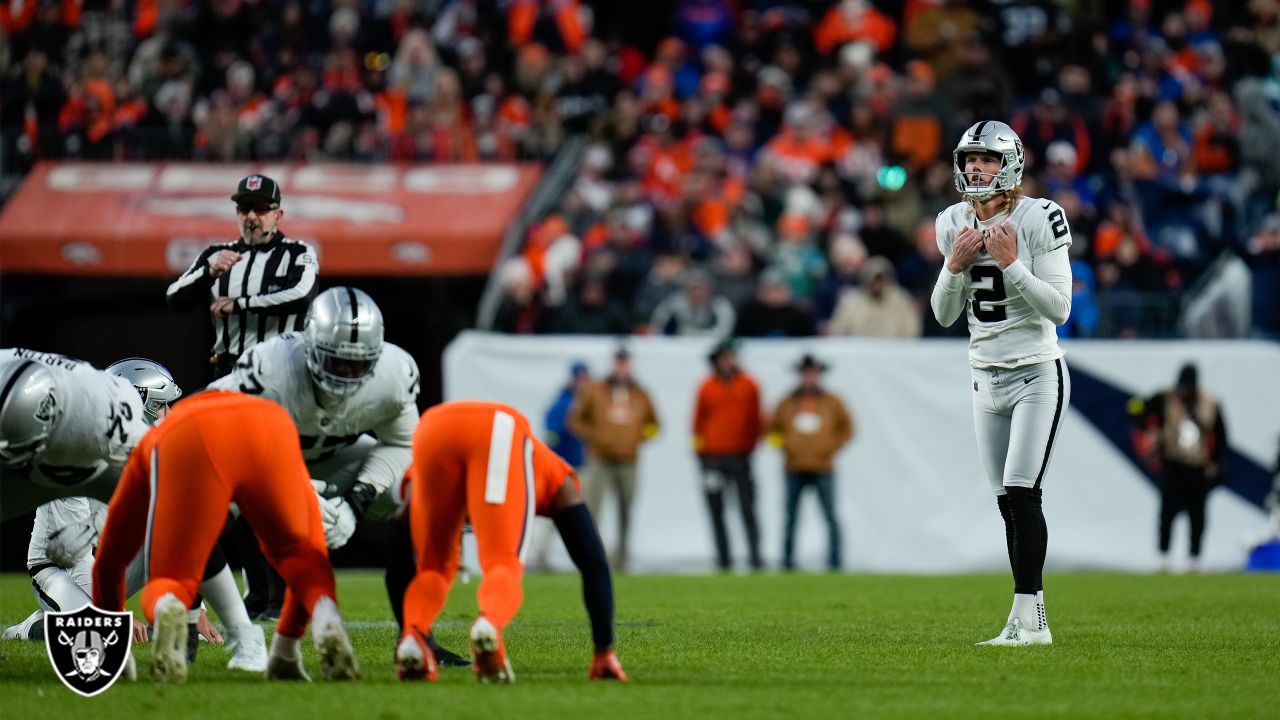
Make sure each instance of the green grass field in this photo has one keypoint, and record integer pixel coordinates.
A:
(763, 646)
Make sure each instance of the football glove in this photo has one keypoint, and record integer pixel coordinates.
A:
(339, 521)
(71, 543)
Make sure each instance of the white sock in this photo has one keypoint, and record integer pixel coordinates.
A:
(324, 611)
(193, 615)
(1042, 616)
(285, 647)
(222, 594)
(1024, 608)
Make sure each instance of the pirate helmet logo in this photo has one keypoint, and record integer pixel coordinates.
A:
(88, 647)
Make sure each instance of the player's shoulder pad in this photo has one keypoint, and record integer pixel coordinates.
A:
(400, 369)
(1046, 223)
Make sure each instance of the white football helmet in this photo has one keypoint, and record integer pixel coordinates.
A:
(989, 136)
(343, 338)
(29, 410)
(153, 381)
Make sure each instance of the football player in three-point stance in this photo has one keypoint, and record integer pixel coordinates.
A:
(1007, 267)
(353, 398)
(66, 429)
(481, 460)
(214, 449)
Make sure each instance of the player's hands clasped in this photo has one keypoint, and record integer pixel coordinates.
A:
(339, 522)
(965, 250)
(1002, 244)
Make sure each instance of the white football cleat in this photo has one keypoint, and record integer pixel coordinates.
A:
(489, 653)
(169, 645)
(1014, 634)
(337, 657)
(22, 631)
(248, 648)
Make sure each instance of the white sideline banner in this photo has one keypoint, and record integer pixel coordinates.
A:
(910, 489)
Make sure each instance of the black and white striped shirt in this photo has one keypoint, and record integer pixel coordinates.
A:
(273, 284)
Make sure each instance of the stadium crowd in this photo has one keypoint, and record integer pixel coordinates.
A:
(750, 162)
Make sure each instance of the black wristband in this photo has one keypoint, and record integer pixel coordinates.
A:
(360, 497)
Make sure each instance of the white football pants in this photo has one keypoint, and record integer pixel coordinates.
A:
(1017, 414)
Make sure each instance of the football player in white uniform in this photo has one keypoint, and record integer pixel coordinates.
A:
(352, 396)
(1007, 267)
(66, 428)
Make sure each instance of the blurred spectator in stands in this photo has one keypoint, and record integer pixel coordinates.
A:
(734, 272)
(592, 184)
(877, 235)
(1062, 172)
(558, 24)
(614, 417)
(727, 423)
(1083, 320)
(1048, 121)
(979, 87)
(561, 267)
(1181, 434)
(851, 21)
(847, 257)
(663, 279)
(1259, 150)
(694, 310)
(797, 258)
(878, 307)
(772, 313)
(856, 149)
(919, 120)
(1263, 256)
(1028, 38)
(1081, 218)
(810, 426)
(936, 30)
(1126, 259)
(590, 311)
(520, 311)
(414, 69)
(30, 102)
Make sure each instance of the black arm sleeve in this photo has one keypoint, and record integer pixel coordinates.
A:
(360, 497)
(587, 551)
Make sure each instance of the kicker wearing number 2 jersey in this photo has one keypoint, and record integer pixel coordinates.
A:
(1007, 268)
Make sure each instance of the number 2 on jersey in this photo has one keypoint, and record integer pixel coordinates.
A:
(980, 274)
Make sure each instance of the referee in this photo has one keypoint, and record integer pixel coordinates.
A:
(258, 286)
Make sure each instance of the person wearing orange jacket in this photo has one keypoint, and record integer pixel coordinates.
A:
(726, 425)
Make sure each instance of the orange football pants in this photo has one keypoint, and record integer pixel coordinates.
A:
(213, 449)
(470, 459)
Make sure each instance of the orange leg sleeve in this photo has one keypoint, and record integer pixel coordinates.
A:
(500, 528)
(186, 516)
(281, 507)
(437, 507)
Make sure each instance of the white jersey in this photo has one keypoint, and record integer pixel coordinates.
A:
(1004, 329)
(101, 423)
(385, 405)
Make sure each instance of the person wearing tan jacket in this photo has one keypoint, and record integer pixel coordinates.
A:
(810, 426)
(880, 307)
(613, 417)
